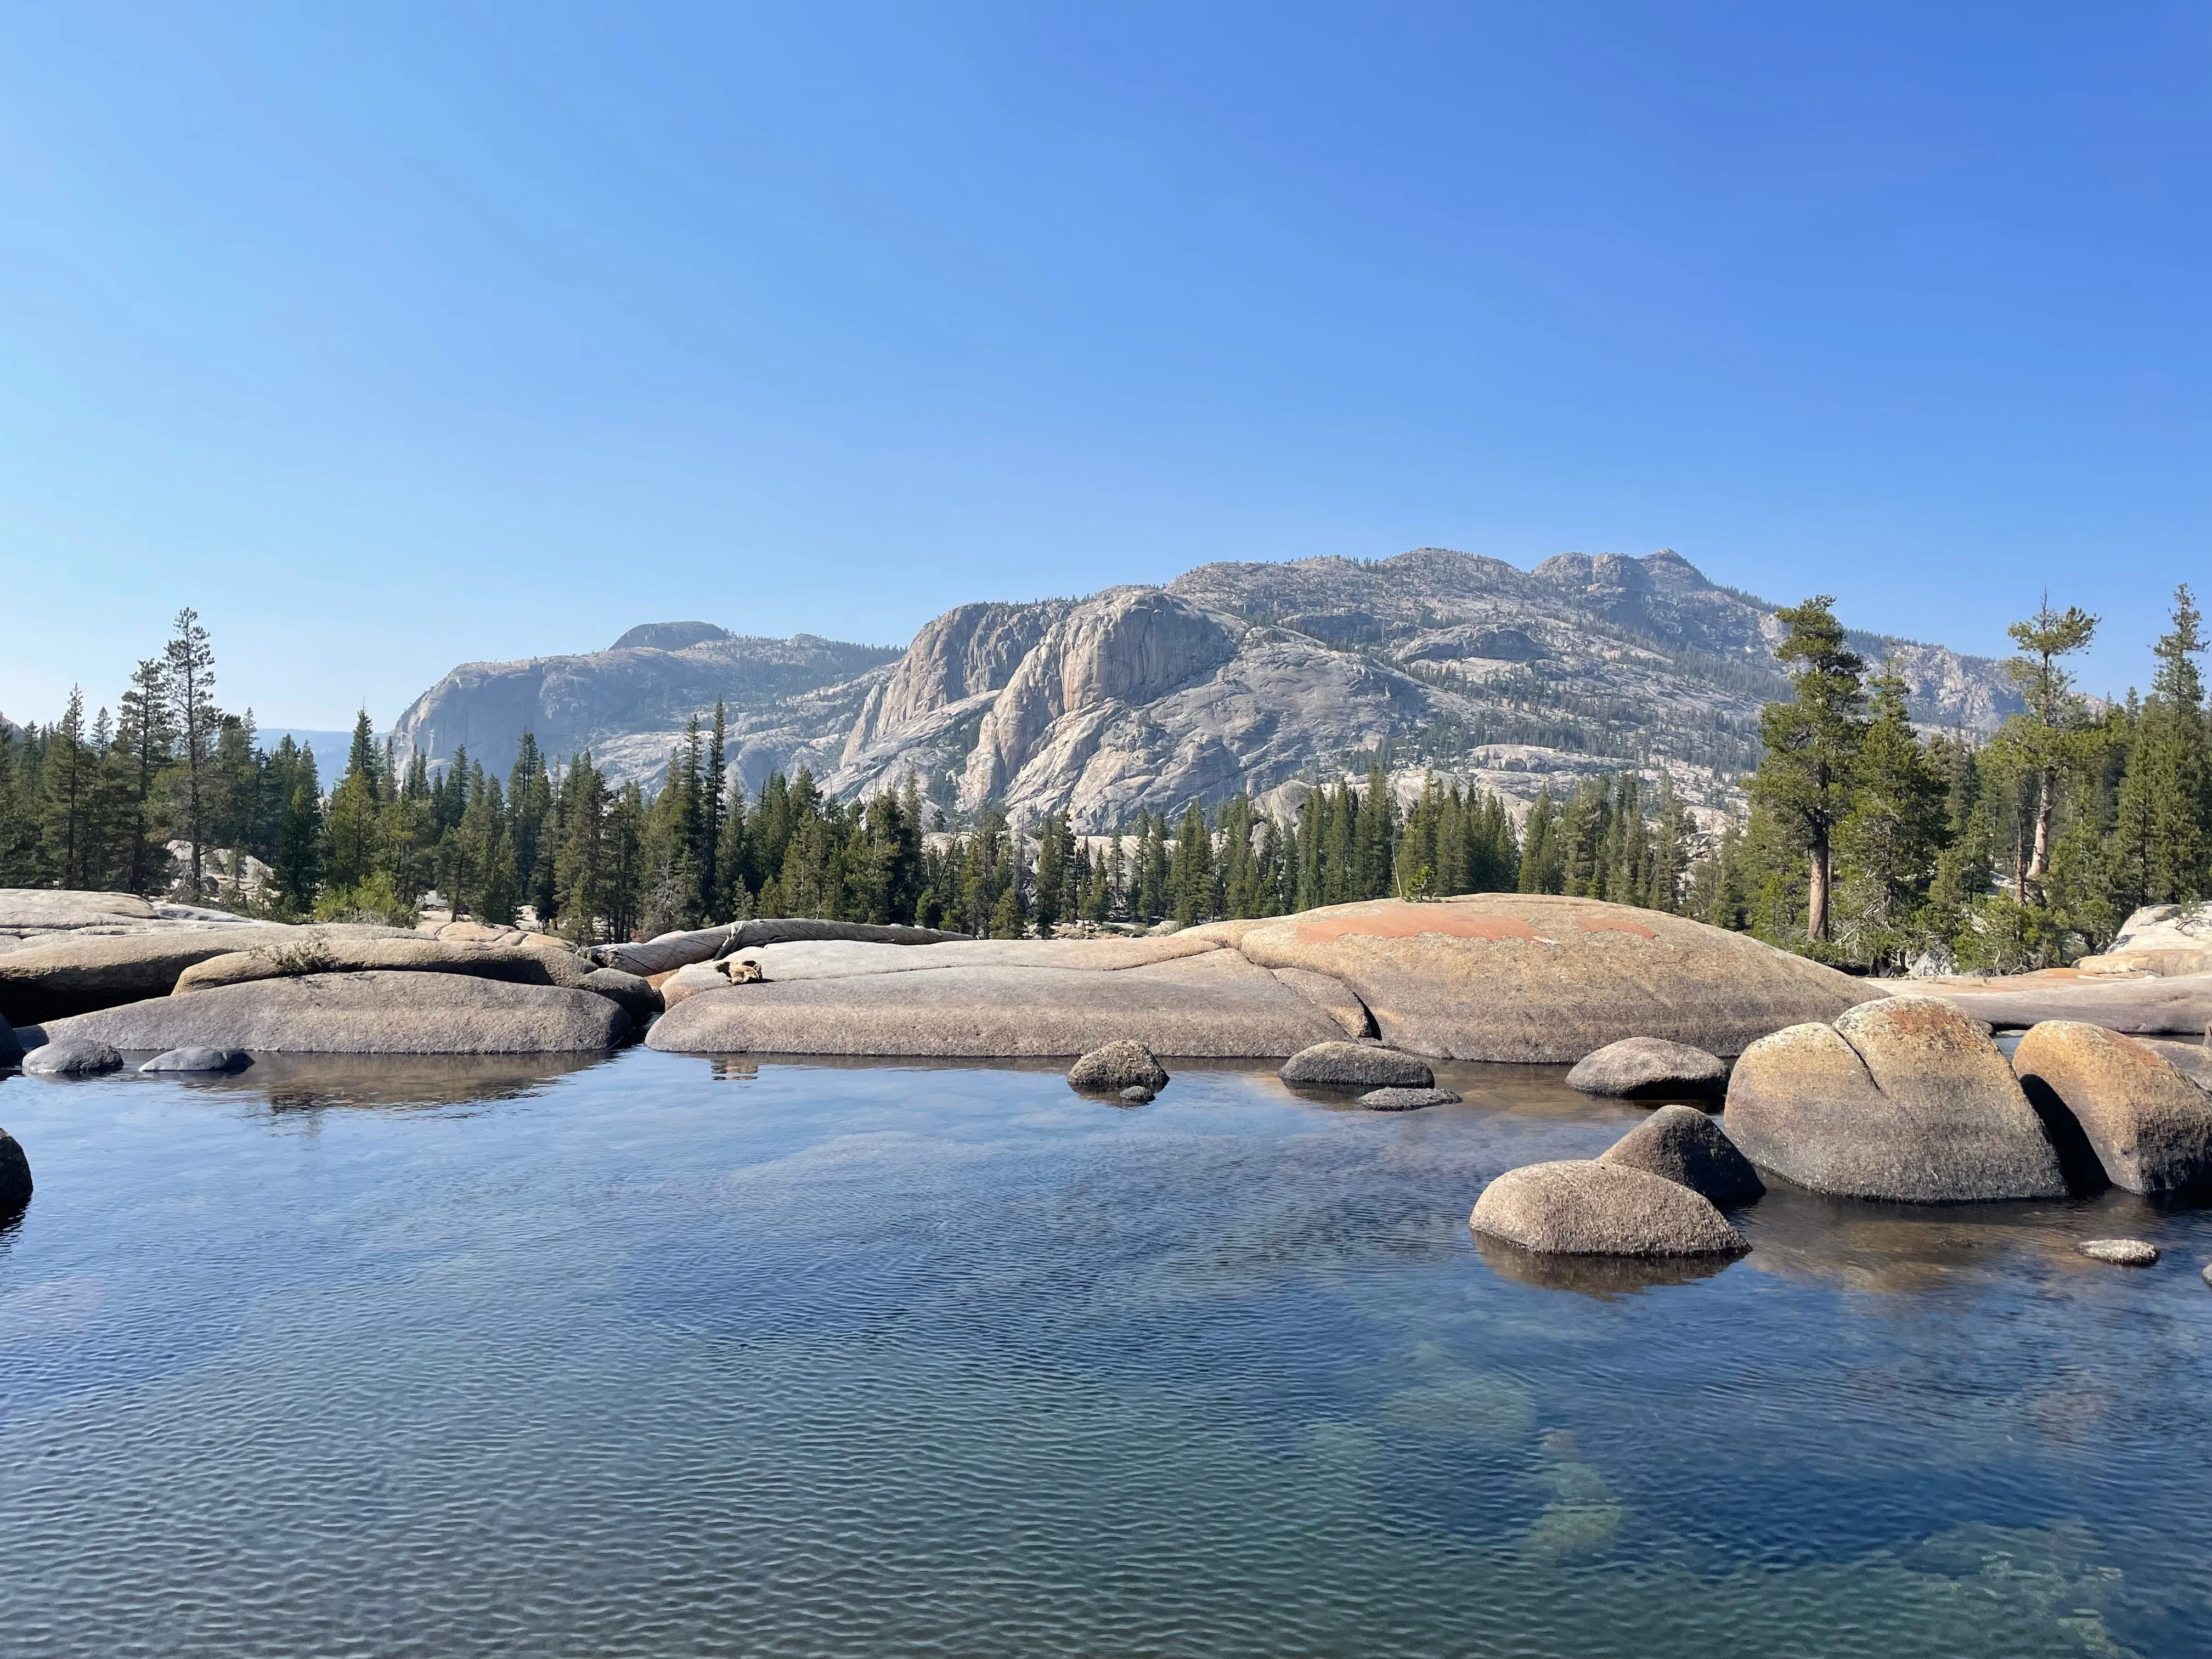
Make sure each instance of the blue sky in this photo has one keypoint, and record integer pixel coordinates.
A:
(391, 337)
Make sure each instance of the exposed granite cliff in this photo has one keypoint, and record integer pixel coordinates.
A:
(1235, 675)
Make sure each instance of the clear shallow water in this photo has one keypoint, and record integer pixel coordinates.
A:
(650, 1358)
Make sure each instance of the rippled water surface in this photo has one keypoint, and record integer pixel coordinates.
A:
(654, 1357)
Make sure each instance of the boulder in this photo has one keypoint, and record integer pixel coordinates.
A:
(69, 1056)
(1332, 996)
(1341, 1065)
(15, 1175)
(673, 951)
(1905, 1099)
(314, 954)
(199, 1060)
(75, 974)
(1406, 1100)
(2192, 1060)
(1583, 1207)
(2120, 1252)
(1644, 1068)
(363, 1013)
(1682, 1144)
(633, 994)
(2148, 1128)
(1136, 1095)
(35, 912)
(1215, 1004)
(1123, 1064)
(1530, 977)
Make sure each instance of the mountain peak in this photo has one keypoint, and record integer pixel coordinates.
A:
(669, 636)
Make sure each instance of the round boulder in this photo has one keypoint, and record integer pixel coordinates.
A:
(1644, 1068)
(1536, 978)
(1583, 1207)
(2147, 1127)
(1681, 1144)
(15, 1175)
(2120, 1252)
(1356, 1066)
(1406, 1100)
(1905, 1099)
(72, 1057)
(1127, 1064)
(199, 1060)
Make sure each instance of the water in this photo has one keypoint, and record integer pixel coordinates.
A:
(652, 1357)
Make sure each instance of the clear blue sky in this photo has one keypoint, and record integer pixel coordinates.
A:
(394, 336)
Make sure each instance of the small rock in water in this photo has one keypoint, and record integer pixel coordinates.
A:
(1135, 1094)
(15, 1175)
(1123, 1065)
(1640, 1068)
(72, 1059)
(199, 1060)
(1406, 1100)
(1357, 1066)
(2120, 1252)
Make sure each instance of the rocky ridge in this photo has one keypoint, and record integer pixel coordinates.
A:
(1253, 677)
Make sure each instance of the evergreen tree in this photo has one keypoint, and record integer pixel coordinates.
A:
(2048, 739)
(69, 773)
(298, 865)
(1888, 845)
(2166, 798)
(1812, 742)
(188, 664)
(144, 740)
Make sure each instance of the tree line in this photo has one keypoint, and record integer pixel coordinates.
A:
(1875, 845)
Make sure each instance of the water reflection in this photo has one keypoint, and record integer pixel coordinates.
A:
(313, 1083)
(1606, 1278)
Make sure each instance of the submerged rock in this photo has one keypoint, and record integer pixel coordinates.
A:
(199, 1060)
(1905, 1099)
(1121, 1065)
(15, 1175)
(1644, 1066)
(72, 1057)
(1682, 1144)
(2120, 1252)
(1341, 1065)
(1136, 1095)
(2148, 1128)
(1406, 1100)
(1537, 978)
(364, 1013)
(1583, 1207)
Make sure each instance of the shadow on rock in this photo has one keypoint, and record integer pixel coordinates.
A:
(1607, 1277)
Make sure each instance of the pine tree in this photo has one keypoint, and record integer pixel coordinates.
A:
(188, 664)
(1888, 845)
(2048, 740)
(298, 863)
(68, 778)
(1811, 743)
(143, 741)
(2166, 797)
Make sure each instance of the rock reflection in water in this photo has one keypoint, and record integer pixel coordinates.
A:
(308, 1083)
(1607, 1277)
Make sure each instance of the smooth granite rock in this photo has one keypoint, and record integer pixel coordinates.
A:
(199, 1060)
(77, 974)
(2148, 1128)
(1530, 977)
(363, 1013)
(2120, 1252)
(72, 1056)
(290, 957)
(1644, 1068)
(1406, 1100)
(15, 1175)
(849, 958)
(1123, 1064)
(1905, 1099)
(689, 981)
(631, 993)
(1340, 1065)
(1682, 1144)
(2137, 1007)
(1583, 1207)
(1212, 1004)
(1327, 993)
